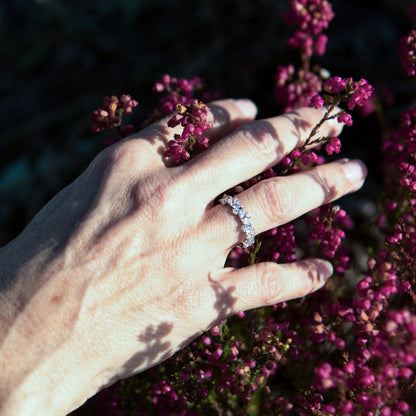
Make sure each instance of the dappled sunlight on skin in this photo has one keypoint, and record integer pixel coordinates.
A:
(140, 238)
(225, 301)
(258, 145)
(278, 200)
(301, 126)
(155, 345)
(155, 348)
(271, 283)
(158, 135)
(226, 120)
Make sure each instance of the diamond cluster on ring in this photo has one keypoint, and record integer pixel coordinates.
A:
(244, 216)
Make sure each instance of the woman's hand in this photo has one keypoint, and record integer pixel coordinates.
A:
(125, 266)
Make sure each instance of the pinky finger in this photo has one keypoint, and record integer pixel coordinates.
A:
(269, 283)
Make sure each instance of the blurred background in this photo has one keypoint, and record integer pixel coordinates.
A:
(60, 58)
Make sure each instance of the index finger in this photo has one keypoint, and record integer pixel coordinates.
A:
(253, 148)
(225, 115)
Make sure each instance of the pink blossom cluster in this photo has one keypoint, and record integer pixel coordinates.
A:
(193, 119)
(399, 219)
(327, 227)
(355, 93)
(312, 17)
(407, 166)
(407, 52)
(348, 349)
(279, 244)
(300, 159)
(217, 365)
(295, 88)
(372, 347)
(383, 367)
(337, 90)
(179, 91)
(385, 357)
(109, 116)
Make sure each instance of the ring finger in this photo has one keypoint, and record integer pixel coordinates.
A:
(276, 201)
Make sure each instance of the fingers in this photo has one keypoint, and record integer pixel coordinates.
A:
(228, 115)
(276, 201)
(225, 116)
(270, 283)
(252, 148)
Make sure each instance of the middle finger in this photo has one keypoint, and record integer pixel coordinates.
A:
(276, 201)
(251, 149)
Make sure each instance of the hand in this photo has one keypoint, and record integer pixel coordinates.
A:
(125, 266)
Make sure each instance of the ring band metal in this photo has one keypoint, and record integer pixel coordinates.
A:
(244, 216)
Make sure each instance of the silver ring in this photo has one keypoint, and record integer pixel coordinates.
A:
(244, 216)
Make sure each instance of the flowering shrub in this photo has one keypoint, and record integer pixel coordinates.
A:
(348, 349)
(110, 115)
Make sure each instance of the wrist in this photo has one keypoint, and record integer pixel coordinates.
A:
(41, 370)
(49, 388)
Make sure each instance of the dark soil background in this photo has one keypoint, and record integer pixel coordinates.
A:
(58, 60)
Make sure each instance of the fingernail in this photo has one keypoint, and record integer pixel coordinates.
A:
(247, 107)
(355, 170)
(325, 270)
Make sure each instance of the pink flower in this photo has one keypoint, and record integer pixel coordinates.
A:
(345, 118)
(317, 101)
(312, 16)
(334, 146)
(407, 50)
(193, 119)
(295, 89)
(109, 117)
(363, 91)
(334, 84)
(320, 44)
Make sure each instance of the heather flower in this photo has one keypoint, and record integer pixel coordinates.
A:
(109, 117)
(176, 91)
(127, 103)
(334, 85)
(312, 17)
(362, 91)
(333, 146)
(407, 50)
(279, 244)
(345, 349)
(345, 118)
(320, 44)
(302, 41)
(327, 223)
(295, 89)
(334, 91)
(193, 119)
(317, 101)
(347, 90)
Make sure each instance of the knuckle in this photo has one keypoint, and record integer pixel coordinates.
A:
(119, 153)
(116, 158)
(258, 138)
(158, 192)
(278, 201)
(269, 278)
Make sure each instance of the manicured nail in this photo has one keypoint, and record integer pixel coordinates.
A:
(325, 270)
(247, 107)
(355, 170)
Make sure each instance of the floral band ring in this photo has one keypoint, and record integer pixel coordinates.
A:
(244, 216)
